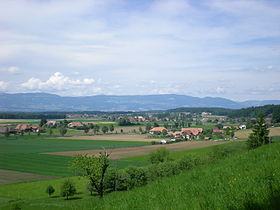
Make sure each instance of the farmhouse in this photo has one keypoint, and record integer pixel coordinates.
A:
(23, 127)
(186, 133)
(242, 127)
(75, 125)
(157, 130)
(36, 129)
(3, 130)
(52, 123)
(193, 131)
(215, 131)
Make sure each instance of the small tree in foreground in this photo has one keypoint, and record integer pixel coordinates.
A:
(68, 189)
(259, 135)
(50, 190)
(94, 168)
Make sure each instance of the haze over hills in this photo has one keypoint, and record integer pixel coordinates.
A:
(30, 102)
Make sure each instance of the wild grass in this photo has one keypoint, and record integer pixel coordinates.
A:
(248, 180)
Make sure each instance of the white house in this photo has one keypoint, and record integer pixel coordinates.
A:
(242, 127)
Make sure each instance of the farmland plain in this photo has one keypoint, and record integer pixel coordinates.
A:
(24, 154)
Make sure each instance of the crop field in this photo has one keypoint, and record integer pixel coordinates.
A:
(118, 153)
(113, 137)
(244, 134)
(8, 176)
(24, 154)
(249, 180)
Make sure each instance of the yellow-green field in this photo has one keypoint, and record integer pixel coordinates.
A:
(244, 134)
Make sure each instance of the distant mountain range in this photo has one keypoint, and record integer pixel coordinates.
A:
(34, 102)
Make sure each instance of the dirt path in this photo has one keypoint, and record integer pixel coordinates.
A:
(119, 153)
(113, 137)
(9, 176)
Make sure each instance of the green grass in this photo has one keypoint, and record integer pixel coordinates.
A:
(248, 180)
(24, 155)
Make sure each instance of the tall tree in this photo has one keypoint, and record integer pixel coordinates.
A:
(43, 122)
(105, 129)
(260, 134)
(111, 128)
(276, 115)
(94, 168)
(148, 126)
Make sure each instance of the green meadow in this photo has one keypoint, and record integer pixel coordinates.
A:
(245, 180)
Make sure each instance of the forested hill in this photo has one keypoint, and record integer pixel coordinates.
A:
(44, 102)
(215, 111)
(267, 110)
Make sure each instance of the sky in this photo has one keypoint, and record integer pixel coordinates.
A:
(217, 48)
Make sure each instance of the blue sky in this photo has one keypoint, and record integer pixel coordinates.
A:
(201, 48)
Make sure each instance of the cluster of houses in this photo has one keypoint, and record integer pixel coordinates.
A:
(185, 133)
(20, 128)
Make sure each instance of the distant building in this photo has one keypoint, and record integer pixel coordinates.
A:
(52, 123)
(215, 131)
(193, 131)
(242, 127)
(157, 130)
(75, 125)
(23, 127)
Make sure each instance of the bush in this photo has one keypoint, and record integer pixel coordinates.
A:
(136, 177)
(68, 189)
(50, 190)
(111, 179)
(122, 179)
(188, 162)
(159, 156)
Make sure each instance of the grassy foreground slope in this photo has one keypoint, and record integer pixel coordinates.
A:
(248, 180)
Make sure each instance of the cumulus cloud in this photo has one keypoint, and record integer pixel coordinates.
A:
(3, 85)
(10, 69)
(220, 90)
(269, 67)
(56, 82)
(161, 41)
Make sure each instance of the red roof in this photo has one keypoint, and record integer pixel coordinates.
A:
(75, 124)
(194, 131)
(218, 131)
(158, 129)
(22, 127)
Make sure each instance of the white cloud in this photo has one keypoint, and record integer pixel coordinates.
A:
(220, 90)
(56, 82)
(161, 41)
(269, 67)
(11, 69)
(3, 85)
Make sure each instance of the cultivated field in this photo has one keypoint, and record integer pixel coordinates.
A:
(8, 176)
(24, 154)
(244, 134)
(119, 153)
(113, 137)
